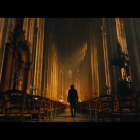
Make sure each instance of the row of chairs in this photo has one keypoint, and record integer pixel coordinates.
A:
(16, 105)
(125, 107)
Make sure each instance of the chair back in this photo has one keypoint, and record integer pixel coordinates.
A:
(125, 101)
(115, 104)
(49, 105)
(137, 103)
(2, 102)
(97, 103)
(35, 102)
(15, 104)
(92, 104)
(106, 102)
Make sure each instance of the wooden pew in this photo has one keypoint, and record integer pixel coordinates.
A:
(55, 108)
(52, 109)
(62, 106)
(81, 107)
(49, 109)
(84, 107)
(92, 108)
(137, 105)
(59, 107)
(127, 107)
(2, 107)
(109, 105)
(115, 108)
(106, 101)
(35, 106)
(78, 106)
(44, 108)
(15, 106)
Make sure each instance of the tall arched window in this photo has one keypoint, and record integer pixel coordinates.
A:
(69, 79)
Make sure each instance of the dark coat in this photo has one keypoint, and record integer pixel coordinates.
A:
(72, 95)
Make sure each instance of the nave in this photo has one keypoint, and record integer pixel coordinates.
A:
(66, 117)
(17, 107)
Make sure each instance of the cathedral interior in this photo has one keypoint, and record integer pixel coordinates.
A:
(45, 56)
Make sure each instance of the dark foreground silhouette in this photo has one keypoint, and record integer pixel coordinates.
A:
(73, 99)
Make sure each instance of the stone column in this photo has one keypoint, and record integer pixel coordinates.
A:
(34, 56)
(37, 61)
(59, 82)
(92, 64)
(49, 69)
(82, 80)
(111, 35)
(115, 42)
(49, 81)
(131, 26)
(89, 68)
(7, 67)
(101, 66)
(4, 34)
(122, 41)
(41, 52)
(65, 82)
(45, 60)
(94, 61)
(2, 20)
(52, 75)
(48, 52)
(105, 50)
(39, 57)
(85, 77)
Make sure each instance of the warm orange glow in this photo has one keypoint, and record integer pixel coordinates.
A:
(61, 100)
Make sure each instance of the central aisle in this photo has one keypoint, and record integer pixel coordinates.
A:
(66, 117)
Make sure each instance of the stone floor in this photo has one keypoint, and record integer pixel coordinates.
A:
(66, 117)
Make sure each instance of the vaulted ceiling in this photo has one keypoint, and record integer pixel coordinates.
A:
(70, 36)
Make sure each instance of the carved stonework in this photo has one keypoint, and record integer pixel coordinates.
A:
(7, 66)
(17, 64)
(21, 36)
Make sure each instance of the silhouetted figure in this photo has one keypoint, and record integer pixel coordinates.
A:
(73, 99)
